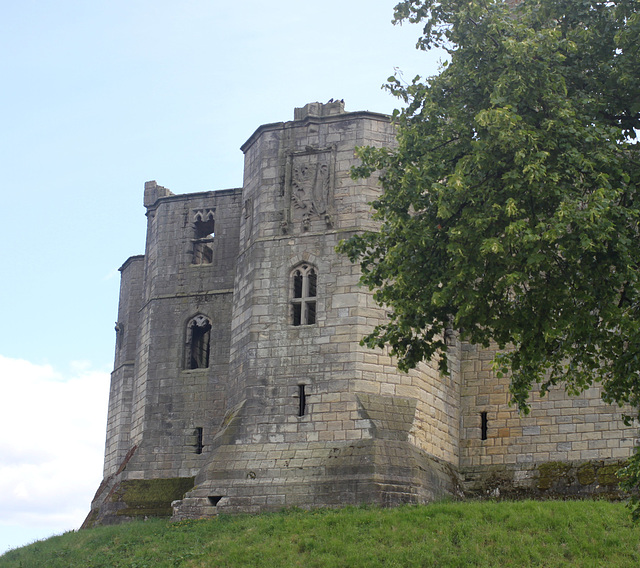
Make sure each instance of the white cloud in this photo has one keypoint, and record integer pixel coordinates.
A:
(52, 431)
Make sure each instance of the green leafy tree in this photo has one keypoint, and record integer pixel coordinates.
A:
(510, 207)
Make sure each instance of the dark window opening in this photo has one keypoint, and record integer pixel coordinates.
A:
(484, 425)
(302, 401)
(297, 284)
(200, 347)
(297, 314)
(198, 343)
(303, 302)
(215, 499)
(203, 242)
(198, 443)
(312, 280)
(311, 312)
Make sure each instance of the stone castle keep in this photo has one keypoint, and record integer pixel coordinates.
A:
(239, 383)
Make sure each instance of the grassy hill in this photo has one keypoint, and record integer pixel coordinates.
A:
(527, 533)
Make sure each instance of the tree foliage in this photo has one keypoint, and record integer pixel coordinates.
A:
(510, 207)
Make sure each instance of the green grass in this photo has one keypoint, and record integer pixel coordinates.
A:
(525, 533)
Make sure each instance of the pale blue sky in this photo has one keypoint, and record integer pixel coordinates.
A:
(96, 98)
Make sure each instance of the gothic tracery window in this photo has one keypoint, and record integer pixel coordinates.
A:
(303, 300)
(198, 343)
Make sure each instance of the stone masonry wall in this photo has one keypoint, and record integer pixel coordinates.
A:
(299, 202)
(288, 409)
(560, 429)
(121, 392)
(170, 402)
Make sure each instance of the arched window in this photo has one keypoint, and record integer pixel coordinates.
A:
(197, 348)
(304, 281)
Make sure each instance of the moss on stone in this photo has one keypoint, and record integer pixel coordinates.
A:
(151, 497)
(586, 474)
(565, 480)
(607, 474)
(549, 473)
(90, 521)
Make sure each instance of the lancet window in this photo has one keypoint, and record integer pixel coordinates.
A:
(198, 343)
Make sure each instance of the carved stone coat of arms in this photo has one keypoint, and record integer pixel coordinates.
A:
(310, 187)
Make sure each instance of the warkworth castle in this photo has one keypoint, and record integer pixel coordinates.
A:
(239, 383)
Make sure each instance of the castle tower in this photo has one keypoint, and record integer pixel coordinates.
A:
(238, 365)
(169, 384)
(313, 417)
(239, 382)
